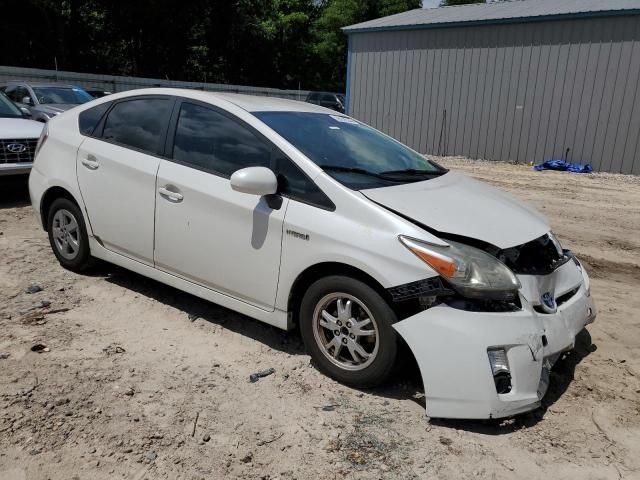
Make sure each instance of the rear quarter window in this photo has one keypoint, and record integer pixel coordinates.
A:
(89, 119)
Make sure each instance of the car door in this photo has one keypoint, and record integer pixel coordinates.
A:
(206, 232)
(116, 169)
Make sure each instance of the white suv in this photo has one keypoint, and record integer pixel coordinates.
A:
(18, 139)
(294, 214)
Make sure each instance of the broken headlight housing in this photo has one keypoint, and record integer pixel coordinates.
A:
(472, 272)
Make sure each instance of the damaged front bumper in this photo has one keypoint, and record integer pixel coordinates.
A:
(450, 346)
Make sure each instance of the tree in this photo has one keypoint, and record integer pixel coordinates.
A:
(330, 46)
(275, 43)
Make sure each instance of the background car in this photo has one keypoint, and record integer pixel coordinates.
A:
(18, 139)
(334, 101)
(43, 101)
(98, 93)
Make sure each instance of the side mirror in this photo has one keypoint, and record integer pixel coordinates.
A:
(254, 181)
(27, 100)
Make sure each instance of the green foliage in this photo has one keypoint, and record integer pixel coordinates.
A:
(277, 43)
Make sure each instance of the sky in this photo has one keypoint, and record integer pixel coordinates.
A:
(430, 3)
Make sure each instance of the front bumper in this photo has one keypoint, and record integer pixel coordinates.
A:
(450, 346)
(15, 168)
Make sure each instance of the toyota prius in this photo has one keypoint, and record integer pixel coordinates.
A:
(300, 216)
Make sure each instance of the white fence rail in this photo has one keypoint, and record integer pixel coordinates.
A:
(114, 83)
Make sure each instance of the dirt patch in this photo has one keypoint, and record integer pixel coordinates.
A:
(140, 380)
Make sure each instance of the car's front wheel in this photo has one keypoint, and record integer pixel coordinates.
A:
(68, 235)
(347, 328)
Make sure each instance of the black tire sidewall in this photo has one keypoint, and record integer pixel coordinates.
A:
(382, 366)
(82, 260)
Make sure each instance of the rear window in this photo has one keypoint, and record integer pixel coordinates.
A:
(89, 119)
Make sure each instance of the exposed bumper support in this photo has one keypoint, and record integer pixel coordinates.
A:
(450, 346)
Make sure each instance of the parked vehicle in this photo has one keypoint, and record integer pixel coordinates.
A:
(291, 213)
(334, 101)
(18, 139)
(98, 93)
(42, 101)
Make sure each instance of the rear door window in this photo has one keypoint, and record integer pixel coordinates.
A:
(139, 123)
(209, 140)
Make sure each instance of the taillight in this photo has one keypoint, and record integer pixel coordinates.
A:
(43, 138)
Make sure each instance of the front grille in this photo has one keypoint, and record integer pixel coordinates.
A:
(430, 287)
(17, 151)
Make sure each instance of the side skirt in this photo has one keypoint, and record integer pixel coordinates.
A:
(277, 318)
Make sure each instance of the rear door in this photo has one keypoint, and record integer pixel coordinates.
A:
(206, 232)
(117, 167)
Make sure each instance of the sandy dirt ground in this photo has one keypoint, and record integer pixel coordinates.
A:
(138, 380)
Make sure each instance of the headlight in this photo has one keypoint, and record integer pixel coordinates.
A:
(556, 243)
(472, 272)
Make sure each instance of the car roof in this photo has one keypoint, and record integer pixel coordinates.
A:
(253, 103)
(250, 103)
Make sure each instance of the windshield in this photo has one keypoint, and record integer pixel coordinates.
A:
(70, 95)
(8, 108)
(353, 153)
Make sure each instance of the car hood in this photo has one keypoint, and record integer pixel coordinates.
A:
(459, 205)
(55, 108)
(19, 128)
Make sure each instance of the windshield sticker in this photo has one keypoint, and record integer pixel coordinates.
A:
(340, 119)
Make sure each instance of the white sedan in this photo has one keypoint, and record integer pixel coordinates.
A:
(294, 214)
(18, 139)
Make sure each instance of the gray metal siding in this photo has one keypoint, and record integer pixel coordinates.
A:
(516, 92)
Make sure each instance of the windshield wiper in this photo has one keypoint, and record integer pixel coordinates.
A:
(361, 171)
(416, 172)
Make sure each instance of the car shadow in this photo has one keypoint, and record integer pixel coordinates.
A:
(14, 191)
(407, 382)
(197, 309)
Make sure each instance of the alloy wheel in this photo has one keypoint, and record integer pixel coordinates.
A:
(346, 331)
(66, 234)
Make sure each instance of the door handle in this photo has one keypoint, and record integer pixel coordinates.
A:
(170, 194)
(90, 162)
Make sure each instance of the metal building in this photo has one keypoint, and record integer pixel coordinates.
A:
(522, 81)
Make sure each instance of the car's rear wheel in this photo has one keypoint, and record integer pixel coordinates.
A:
(68, 235)
(347, 328)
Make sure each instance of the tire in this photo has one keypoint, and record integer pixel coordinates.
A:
(68, 235)
(323, 327)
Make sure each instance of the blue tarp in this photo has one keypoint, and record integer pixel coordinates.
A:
(564, 166)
